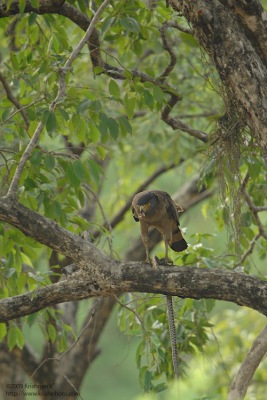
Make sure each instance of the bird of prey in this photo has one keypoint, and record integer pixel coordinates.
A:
(155, 208)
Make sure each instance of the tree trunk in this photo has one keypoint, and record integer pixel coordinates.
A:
(233, 33)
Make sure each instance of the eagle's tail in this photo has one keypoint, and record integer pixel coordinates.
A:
(178, 242)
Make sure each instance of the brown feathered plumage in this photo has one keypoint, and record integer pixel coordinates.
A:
(154, 208)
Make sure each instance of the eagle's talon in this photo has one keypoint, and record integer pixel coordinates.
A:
(148, 261)
(165, 261)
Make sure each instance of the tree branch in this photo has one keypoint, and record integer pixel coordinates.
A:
(238, 62)
(49, 233)
(169, 49)
(30, 147)
(248, 367)
(239, 288)
(13, 100)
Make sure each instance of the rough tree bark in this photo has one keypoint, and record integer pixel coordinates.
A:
(233, 33)
(248, 367)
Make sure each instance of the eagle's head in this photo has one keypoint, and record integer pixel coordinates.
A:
(146, 204)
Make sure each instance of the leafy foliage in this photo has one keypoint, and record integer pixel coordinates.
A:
(99, 144)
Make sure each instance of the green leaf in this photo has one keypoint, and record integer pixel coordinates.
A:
(148, 98)
(21, 282)
(189, 39)
(94, 169)
(22, 4)
(19, 338)
(102, 152)
(32, 19)
(79, 170)
(114, 89)
(129, 105)
(64, 113)
(5, 115)
(147, 381)
(49, 161)
(14, 60)
(10, 272)
(113, 128)
(104, 126)
(36, 158)
(160, 387)
(98, 70)
(8, 4)
(11, 337)
(72, 177)
(254, 168)
(125, 125)
(52, 333)
(158, 94)
(106, 25)
(130, 24)
(94, 133)
(3, 331)
(51, 122)
(57, 209)
(84, 106)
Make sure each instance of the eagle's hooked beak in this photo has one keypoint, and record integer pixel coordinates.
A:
(141, 212)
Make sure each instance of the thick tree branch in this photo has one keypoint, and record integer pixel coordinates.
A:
(239, 288)
(248, 367)
(49, 233)
(238, 62)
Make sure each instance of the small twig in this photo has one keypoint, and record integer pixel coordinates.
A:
(249, 251)
(30, 147)
(181, 28)
(58, 153)
(254, 211)
(119, 73)
(260, 209)
(176, 123)
(24, 107)
(106, 222)
(58, 359)
(131, 310)
(13, 100)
